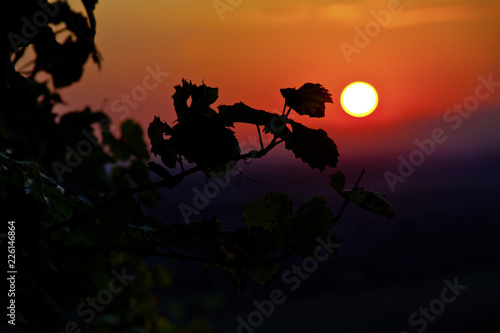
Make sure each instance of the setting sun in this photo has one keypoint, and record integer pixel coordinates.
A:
(359, 99)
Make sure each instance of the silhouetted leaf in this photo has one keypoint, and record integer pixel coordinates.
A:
(309, 99)
(271, 213)
(207, 143)
(181, 96)
(263, 274)
(157, 129)
(43, 189)
(242, 113)
(63, 61)
(84, 29)
(89, 7)
(59, 204)
(200, 134)
(203, 96)
(312, 146)
(313, 219)
(369, 200)
(161, 146)
(201, 99)
(260, 245)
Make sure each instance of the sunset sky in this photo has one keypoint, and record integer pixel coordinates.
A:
(426, 58)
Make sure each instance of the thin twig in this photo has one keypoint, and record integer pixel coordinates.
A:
(346, 201)
(213, 261)
(260, 137)
(260, 153)
(181, 164)
(359, 178)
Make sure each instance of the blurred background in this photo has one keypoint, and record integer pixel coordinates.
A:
(425, 58)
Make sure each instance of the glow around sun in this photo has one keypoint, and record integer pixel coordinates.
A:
(359, 99)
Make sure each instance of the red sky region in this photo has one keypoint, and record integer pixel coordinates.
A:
(426, 58)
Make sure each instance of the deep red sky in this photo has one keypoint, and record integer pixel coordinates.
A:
(426, 59)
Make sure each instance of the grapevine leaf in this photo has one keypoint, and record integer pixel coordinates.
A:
(260, 246)
(271, 213)
(313, 219)
(159, 145)
(201, 135)
(312, 146)
(157, 129)
(181, 96)
(369, 200)
(203, 96)
(59, 205)
(242, 113)
(309, 99)
(209, 144)
(89, 7)
(63, 61)
(201, 99)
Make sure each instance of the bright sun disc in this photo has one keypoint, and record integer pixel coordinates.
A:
(359, 99)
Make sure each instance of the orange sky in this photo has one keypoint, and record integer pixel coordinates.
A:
(425, 60)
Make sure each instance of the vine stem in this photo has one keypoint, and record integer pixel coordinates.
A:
(260, 137)
(346, 201)
(213, 261)
(166, 183)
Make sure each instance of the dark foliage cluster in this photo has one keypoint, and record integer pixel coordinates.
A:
(79, 216)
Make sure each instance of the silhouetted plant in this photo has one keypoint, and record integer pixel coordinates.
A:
(77, 223)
